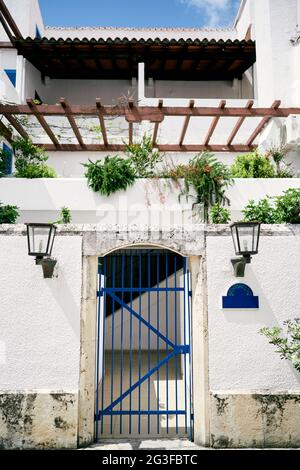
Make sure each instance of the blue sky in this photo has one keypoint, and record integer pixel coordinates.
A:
(144, 13)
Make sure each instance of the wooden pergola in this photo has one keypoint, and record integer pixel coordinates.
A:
(132, 114)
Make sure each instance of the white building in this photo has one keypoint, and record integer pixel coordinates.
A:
(227, 91)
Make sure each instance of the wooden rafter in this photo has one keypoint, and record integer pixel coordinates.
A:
(156, 125)
(185, 124)
(9, 19)
(72, 122)
(16, 125)
(137, 114)
(239, 123)
(262, 124)
(5, 27)
(213, 125)
(5, 131)
(43, 122)
(101, 120)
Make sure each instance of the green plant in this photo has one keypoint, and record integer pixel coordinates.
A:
(209, 178)
(30, 160)
(144, 158)
(4, 156)
(288, 346)
(262, 211)
(283, 169)
(65, 216)
(252, 165)
(107, 177)
(288, 206)
(219, 214)
(8, 214)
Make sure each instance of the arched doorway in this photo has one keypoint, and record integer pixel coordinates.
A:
(143, 353)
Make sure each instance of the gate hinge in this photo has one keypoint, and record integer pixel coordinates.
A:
(183, 349)
(190, 293)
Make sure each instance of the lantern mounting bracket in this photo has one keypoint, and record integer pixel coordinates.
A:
(239, 265)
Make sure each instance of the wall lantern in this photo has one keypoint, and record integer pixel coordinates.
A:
(40, 239)
(245, 237)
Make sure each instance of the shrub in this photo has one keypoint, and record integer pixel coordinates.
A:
(30, 160)
(107, 177)
(263, 211)
(252, 165)
(283, 169)
(288, 206)
(219, 214)
(289, 346)
(8, 214)
(209, 178)
(144, 158)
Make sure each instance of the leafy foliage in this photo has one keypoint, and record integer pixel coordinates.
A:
(209, 178)
(276, 210)
(4, 156)
(8, 214)
(219, 214)
(288, 206)
(252, 165)
(30, 160)
(65, 216)
(107, 177)
(283, 169)
(144, 158)
(263, 211)
(288, 346)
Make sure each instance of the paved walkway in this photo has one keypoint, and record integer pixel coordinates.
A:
(145, 444)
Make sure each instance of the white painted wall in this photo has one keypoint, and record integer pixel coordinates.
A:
(239, 357)
(27, 15)
(40, 318)
(153, 202)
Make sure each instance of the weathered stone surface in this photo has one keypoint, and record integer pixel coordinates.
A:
(41, 420)
(255, 420)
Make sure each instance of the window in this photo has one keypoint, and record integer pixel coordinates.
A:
(8, 153)
(12, 75)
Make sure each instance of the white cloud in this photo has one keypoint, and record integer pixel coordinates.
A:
(216, 11)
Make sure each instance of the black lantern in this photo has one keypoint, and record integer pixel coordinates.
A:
(245, 237)
(40, 238)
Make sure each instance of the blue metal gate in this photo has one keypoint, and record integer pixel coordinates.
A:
(144, 372)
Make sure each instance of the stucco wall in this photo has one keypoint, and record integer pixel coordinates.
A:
(40, 318)
(239, 357)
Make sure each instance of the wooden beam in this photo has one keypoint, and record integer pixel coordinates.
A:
(101, 120)
(163, 148)
(262, 124)
(239, 123)
(9, 19)
(186, 123)
(156, 125)
(72, 121)
(214, 124)
(5, 44)
(18, 127)
(149, 113)
(130, 133)
(5, 132)
(35, 111)
(6, 28)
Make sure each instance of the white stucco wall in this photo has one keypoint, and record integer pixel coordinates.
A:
(40, 318)
(239, 357)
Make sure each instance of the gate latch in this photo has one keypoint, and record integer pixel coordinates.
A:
(183, 349)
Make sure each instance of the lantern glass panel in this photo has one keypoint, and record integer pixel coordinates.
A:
(40, 239)
(245, 237)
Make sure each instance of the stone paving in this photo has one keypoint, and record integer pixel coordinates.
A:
(145, 444)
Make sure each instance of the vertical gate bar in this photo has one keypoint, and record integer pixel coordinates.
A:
(103, 343)
(176, 355)
(184, 339)
(113, 341)
(157, 338)
(167, 348)
(140, 339)
(98, 349)
(148, 340)
(190, 358)
(130, 346)
(121, 341)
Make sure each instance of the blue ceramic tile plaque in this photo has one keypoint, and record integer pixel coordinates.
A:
(240, 296)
